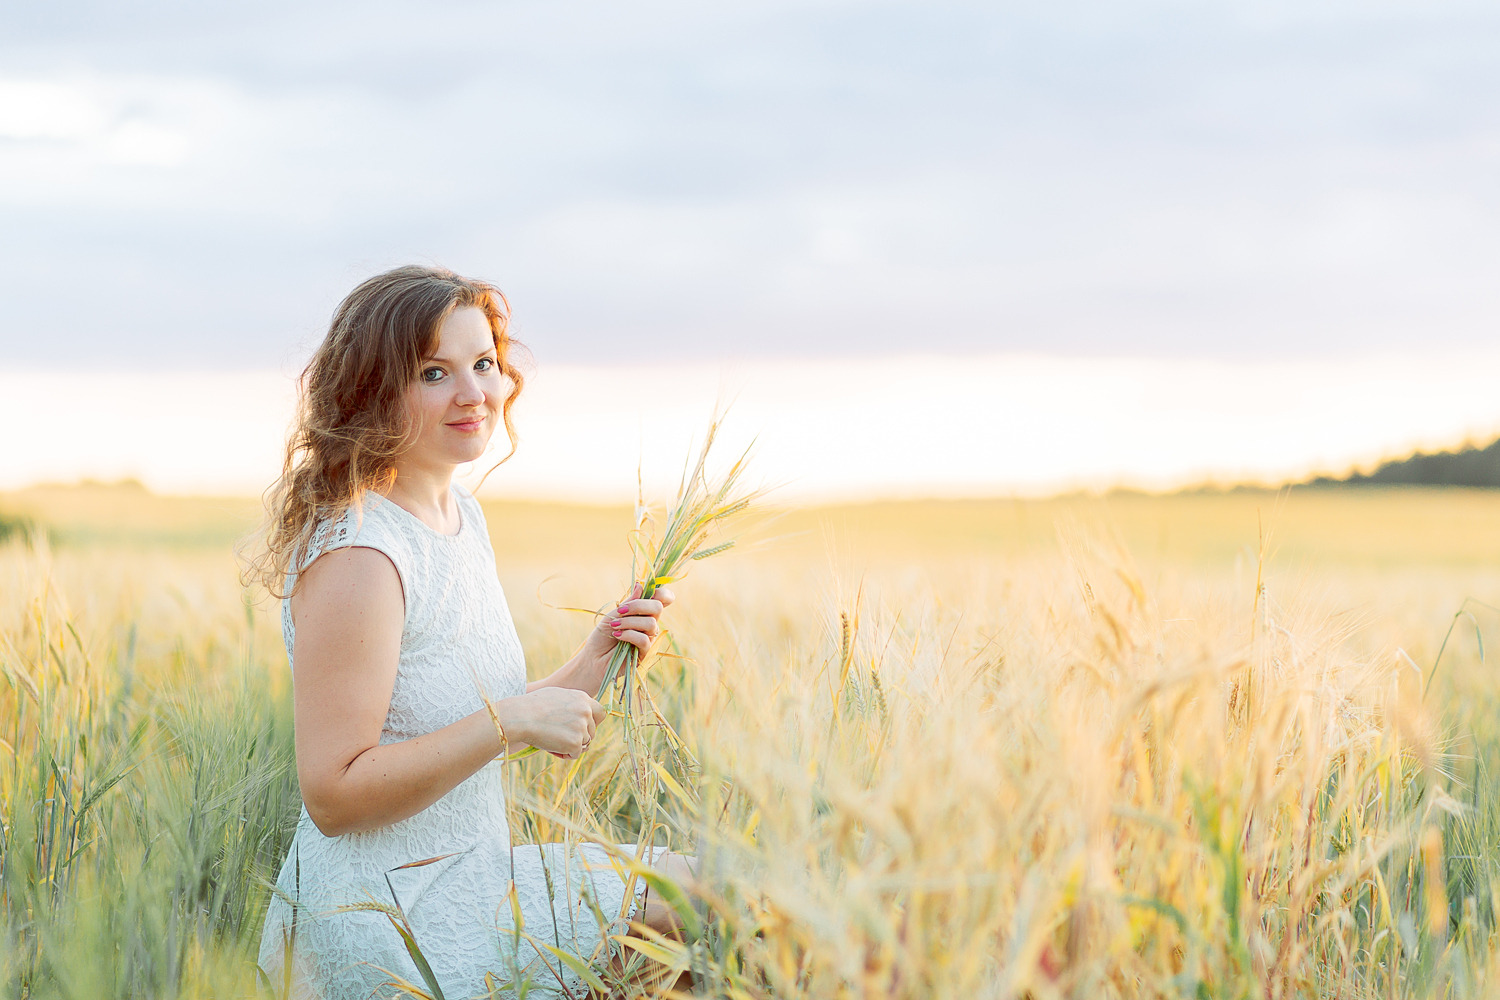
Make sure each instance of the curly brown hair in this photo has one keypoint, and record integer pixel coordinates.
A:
(352, 420)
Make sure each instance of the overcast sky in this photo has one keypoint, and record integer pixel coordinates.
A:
(196, 184)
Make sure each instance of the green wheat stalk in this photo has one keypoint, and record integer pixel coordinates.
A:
(698, 513)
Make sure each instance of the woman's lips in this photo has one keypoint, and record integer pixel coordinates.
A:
(468, 426)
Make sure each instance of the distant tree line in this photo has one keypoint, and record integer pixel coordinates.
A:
(1468, 466)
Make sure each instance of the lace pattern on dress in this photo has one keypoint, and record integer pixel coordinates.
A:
(458, 640)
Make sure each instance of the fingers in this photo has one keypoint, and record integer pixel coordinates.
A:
(567, 720)
(643, 607)
(582, 743)
(640, 623)
(639, 631)
(592, 714)
(636, 619)
(639, 640)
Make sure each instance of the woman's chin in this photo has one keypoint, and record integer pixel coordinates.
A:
(466, 456)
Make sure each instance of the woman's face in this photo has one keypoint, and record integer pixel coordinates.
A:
(458, 393)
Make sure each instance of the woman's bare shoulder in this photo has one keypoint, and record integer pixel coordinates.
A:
(353, 579)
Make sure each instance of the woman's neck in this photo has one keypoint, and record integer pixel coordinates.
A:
(427, 495)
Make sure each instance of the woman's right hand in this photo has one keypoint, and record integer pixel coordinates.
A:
(559, 720)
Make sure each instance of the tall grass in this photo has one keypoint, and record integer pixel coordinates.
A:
(1053, 773)
(145, 785)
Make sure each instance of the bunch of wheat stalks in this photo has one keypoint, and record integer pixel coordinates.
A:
(690, 533)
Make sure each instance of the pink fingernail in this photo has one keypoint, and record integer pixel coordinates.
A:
(617, 633)
(622, 610)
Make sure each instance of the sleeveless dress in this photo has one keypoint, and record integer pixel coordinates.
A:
(457, 639)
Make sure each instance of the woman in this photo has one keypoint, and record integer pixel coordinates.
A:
(409, 680)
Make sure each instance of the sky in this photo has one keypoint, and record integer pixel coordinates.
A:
(821, 430)
(770, 187)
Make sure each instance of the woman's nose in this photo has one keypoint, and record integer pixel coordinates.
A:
(468, 391)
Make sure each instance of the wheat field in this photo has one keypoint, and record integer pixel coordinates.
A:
(1187, 746)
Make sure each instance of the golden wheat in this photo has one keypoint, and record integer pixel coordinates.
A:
(965, 759)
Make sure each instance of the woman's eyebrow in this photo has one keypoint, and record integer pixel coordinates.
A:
(445, 361)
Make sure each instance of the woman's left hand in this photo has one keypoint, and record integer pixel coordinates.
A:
(637, 620)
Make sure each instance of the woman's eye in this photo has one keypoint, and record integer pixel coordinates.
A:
(431, 374)
(484, 364)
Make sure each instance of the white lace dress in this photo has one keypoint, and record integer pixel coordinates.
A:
(456, 640)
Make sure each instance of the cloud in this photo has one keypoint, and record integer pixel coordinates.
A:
(46, 110)
(62, 130)
(199, 184)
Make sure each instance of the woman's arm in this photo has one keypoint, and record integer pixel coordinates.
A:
(348, 612)
(637, 621)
